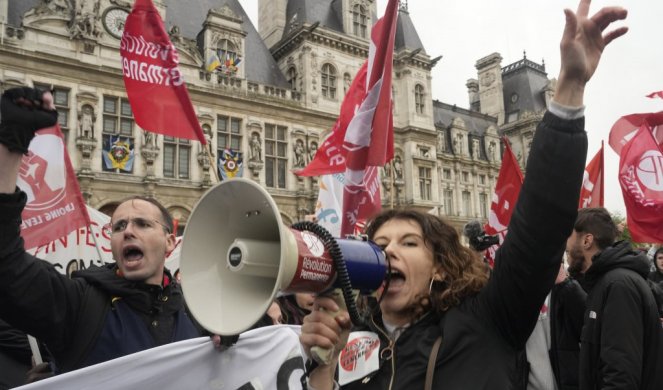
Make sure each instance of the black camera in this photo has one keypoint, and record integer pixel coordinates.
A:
(479, 240)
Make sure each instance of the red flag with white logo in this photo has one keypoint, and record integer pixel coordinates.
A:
(641, 179)
(591, 193)
(55, 205)
(627, 126)
(507, 189)
(155, 86)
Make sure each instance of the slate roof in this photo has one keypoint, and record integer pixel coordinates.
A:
(527, 79)
(406, 34)
(327, 12)
(476, 123)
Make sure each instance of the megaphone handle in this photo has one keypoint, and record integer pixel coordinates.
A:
(324, 355)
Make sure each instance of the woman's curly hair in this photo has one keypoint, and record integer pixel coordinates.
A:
(464, 272)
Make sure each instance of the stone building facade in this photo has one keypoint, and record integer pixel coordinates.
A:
(275, 107)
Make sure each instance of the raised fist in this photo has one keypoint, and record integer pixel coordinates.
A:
(23, 111)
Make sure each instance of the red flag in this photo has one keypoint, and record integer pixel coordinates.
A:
(330, 157)
(155, 86)
(370, 135)
(507, 189)
(55, 205)
(591, 193)
(641, 179)
(625, 128)
(658, 94)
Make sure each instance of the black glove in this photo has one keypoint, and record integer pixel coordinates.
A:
(22, 115)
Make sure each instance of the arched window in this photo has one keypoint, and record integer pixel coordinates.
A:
(419, 96)
(292, 78)
(226, 50)
(328, 82)
(359, 21)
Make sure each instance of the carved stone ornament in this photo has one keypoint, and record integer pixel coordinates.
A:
(87, 21)
(488, 79)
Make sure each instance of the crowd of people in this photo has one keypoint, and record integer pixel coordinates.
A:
(445, 321)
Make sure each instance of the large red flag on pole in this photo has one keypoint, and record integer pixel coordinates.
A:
(641, 179)
(155, 86)
(363, 135)
(507, 189)
(591, 193)
(55, 205)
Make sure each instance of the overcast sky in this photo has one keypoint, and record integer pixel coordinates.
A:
(463, 31)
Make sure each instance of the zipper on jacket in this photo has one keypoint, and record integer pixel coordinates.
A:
(390, 348)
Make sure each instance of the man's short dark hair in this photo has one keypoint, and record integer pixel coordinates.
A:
(165, 215)
(598, 222)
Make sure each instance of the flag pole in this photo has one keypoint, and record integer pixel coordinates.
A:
(391, 183)
(208, 152)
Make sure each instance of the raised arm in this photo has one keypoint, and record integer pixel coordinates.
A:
(528, 261)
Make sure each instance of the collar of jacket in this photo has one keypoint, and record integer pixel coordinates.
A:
(619, 255)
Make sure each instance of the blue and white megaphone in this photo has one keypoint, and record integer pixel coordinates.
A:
(237, 255)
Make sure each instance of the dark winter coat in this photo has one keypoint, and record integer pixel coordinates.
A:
(93, 317)
(567, 306)
(622, 337)
(484, 335)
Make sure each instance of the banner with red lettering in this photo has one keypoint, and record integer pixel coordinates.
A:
(591, 192)
(155, 86)
(507, 189)
(55, 205)
(641, 179)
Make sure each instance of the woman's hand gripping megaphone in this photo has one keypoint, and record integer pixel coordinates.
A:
(325, 331)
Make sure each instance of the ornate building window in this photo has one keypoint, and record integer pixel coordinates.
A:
(466, 177)
(467, 203)
(118, 135)
(446, 174)
(61, 101)
(483, 205)
(226, 50)
(176, 157)
(359, 21)
(448, 196)
(229, 133)
(291, 76)
(328, 81)
(276, 155)
(419, 99)
(482, 179)
(425, 183)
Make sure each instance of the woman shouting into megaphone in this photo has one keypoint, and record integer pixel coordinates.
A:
(442, 322)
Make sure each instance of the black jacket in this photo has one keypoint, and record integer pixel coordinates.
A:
(622, 338)
(93, 317)
(656, 276)
(483, 336)
(567, 306)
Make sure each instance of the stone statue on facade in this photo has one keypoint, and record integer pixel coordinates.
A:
(312, 150)
(398, 168)
(299, 161)
(86, 119)
(86, 22)
(476, 152)
(491, 151)
(256, 148)
(149, 140)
